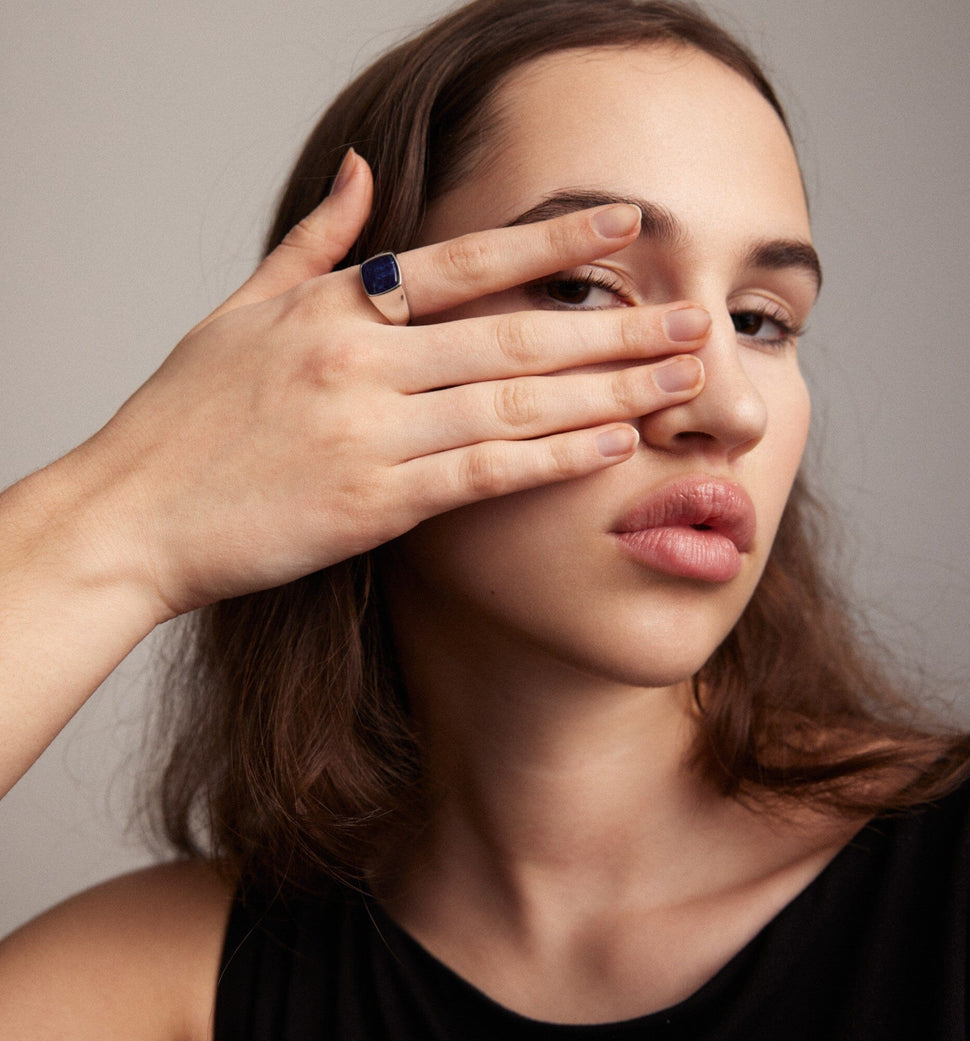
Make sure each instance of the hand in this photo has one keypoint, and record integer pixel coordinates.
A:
(293, 428)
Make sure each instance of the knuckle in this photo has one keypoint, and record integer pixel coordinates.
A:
(516, 405)
(482, 473)
(626, 391)
(301, 236)
(516, 337)
(468, 258)
(342, 359)
(630, 331)
(564, 237)
(366, 498)
(563, 462)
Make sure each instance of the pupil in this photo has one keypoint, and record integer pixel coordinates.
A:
(748, 323)
(569, 292)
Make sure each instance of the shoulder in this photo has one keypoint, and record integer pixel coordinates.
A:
(134, 958)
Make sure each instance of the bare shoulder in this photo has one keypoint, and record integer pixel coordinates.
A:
(134, 958)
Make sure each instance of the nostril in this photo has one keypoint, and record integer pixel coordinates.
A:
(694, 435)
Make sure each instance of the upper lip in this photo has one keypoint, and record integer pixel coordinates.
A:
(719, 505)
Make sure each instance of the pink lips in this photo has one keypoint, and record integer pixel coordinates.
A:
(693, 528)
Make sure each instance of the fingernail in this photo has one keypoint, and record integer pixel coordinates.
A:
(343, 174)
(687, 323)
(618, 441)
(616, 222)
(678, 374)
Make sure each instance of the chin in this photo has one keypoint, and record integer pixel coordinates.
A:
(653, 652)
(650, 671)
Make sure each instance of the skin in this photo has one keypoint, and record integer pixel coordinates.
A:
(684, 143)
(547, 668)
(244, 462)
(601, 879)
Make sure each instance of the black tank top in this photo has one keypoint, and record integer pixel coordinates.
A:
(875, 949)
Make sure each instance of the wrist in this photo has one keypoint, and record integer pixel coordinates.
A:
(66, 528)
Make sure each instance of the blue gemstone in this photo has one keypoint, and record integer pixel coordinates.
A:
(380, 274)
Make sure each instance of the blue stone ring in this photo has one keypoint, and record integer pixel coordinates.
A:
(381, 279)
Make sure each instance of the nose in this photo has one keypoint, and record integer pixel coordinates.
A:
(727, 418)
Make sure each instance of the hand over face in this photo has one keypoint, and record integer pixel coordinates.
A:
(294, 427)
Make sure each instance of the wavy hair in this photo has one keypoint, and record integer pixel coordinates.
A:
(290, 754)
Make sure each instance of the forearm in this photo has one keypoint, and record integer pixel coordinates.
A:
(72, 607)
(291, 430)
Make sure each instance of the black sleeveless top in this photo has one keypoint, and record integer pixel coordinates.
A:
(875, 949)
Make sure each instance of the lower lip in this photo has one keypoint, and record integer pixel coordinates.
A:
(684, 552)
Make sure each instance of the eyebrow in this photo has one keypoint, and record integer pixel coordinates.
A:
(660, 225)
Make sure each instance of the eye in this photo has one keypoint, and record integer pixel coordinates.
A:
(586, 291)
(765, 326)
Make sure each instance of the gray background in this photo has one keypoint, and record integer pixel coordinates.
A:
(144, 144)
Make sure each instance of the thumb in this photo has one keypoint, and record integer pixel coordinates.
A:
(321, 240)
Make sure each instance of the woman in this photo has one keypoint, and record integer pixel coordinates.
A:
(517, 701)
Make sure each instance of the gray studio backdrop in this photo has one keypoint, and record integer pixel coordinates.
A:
(143, 146)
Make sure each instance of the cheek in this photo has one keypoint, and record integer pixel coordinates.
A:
(784, 444)
(793, 418)
(486, 537)
(782, 387)
(506, 552)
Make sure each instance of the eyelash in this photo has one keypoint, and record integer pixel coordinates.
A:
(588, 280)
(790, 331)
(584, 279)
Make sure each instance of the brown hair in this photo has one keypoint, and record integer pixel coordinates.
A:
(292, 755)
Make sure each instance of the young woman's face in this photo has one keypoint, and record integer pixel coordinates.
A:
(543, 574)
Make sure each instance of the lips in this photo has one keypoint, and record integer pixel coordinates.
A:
(693, 528)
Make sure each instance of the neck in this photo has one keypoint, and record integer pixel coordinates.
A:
(546, 777)
(573, 866)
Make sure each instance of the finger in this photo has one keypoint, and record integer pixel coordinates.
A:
(532, 342)
(324, 237)
(319, 242)
(533, 406)
(446, 274)
(447, 480)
